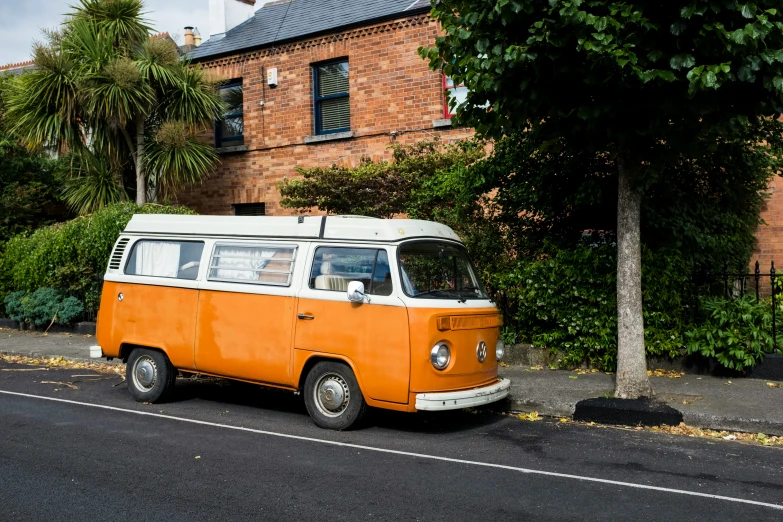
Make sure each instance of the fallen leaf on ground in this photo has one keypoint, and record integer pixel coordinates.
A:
(68, 384)
(537, 367)
(530, 416)
(573, 377)
(60, 362)
(773, 385)
(672, 374)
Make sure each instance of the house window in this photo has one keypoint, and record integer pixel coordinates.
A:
(230, 129)
(249, 209)
(459, 92)
(332, 103)
(162, 258)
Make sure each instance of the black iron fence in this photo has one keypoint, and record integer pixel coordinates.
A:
(738, 284)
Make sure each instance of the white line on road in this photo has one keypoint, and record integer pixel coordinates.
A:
(408, 453)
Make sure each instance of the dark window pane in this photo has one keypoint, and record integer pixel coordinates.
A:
(332, 79)
(335, 114)
(249, 209)
(381, 278)
(232, 97)
(231, 127)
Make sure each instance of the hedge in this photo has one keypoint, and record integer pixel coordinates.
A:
(70, 257)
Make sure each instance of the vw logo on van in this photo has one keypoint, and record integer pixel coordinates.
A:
(481, 351)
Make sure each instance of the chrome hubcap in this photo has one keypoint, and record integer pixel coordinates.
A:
(144, 373)
(332, 395)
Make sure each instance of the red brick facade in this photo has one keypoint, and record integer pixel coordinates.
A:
(393, 96)
(769, 237)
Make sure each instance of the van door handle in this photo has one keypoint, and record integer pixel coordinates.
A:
(305, 316)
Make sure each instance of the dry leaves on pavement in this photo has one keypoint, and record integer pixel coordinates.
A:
(60, 362)
(672, 374)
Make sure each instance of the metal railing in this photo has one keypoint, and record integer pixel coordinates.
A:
(735, 285)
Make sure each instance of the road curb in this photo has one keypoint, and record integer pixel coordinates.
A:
(723, 423)
(627, 412)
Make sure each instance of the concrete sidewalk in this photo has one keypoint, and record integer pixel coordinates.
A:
(737, 404)
(747, 405)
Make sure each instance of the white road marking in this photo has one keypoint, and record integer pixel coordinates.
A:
(408, 453)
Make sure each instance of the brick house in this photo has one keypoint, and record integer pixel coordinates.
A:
(314, 83)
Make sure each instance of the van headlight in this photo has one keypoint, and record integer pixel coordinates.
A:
(440, 355)
(500, 349)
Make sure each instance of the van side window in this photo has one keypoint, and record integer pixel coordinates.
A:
(165, 258)
(264, 264)
(335, 267)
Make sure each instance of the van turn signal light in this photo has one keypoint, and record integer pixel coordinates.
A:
(444, 323)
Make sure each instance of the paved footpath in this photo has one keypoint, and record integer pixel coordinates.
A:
(748, 405)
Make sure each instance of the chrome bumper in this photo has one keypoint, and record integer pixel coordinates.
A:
(96, 352)
(464, 398)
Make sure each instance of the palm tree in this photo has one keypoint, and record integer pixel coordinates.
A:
(123, 103)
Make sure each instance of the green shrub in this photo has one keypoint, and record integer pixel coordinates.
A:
(42, 307)
(735, 332)
(70, 257)
(566, 302)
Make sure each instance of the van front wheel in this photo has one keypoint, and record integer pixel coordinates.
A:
(332, 396)
(150, 375)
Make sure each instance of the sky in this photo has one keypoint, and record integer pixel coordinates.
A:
(21, 21)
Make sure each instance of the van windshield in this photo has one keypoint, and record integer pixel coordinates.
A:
(437, 270)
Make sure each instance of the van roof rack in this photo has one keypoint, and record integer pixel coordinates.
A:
(347, 228)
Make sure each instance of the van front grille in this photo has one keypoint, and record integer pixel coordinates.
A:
(116, 257)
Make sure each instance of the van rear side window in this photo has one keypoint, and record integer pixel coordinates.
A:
(264, 264)
(164, 258)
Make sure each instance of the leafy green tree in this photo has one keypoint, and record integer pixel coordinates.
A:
(29, 183)
(642, 82)
(109, 94)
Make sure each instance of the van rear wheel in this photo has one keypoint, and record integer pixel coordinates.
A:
(150, 375)
(332, 396)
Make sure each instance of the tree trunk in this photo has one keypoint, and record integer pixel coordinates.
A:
(141, 179)
(632, 380)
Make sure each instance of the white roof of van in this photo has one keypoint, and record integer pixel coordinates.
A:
(347, 228)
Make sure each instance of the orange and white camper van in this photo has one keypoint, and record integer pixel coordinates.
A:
(350, 311)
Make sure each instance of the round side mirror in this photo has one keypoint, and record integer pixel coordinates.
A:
(356, 291)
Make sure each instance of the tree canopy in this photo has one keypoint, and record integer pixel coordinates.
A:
(121, 102)
(638, 85)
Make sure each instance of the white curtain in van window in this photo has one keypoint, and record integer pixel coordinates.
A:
(240, 263)
(157, 258)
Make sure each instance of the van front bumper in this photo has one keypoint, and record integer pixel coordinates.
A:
(456, 400)
(96, 352)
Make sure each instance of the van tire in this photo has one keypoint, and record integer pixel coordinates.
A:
(329, 409)
(143, 386)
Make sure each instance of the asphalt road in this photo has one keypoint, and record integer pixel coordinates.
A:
(223, 451)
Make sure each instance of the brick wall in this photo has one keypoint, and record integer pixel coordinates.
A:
(391, 89)
(769, 237)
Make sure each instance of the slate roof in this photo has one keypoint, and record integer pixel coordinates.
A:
(304, 18)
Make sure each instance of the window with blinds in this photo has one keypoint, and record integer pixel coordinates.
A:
(230, 129)
(332, 101)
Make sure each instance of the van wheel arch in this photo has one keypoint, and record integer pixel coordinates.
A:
(127, 348)
(312, 361)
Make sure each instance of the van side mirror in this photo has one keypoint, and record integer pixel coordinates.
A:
(356, 292)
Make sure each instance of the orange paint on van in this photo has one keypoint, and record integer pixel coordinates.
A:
(247, 336)
(464, 371)
(161, 317)
(374, 337)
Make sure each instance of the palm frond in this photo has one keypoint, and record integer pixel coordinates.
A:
(194, 99)
(177, 158)
(119, 92)
(121, 21)
(45, 103)
(93, 183)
